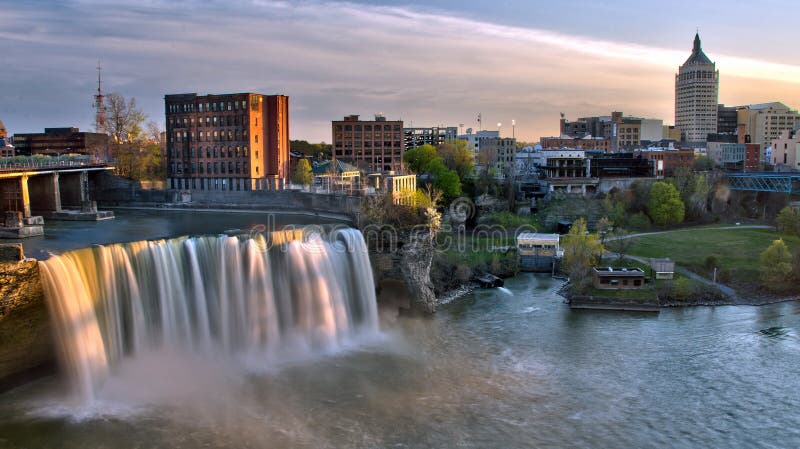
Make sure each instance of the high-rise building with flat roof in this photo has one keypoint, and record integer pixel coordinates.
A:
(227, 142)
(371, 145)
(696, 96)
(763, 123)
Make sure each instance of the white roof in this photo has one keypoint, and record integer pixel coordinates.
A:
(537, 236)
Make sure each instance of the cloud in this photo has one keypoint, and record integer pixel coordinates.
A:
(338, 58)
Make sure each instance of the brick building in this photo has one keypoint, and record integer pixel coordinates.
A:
(57, 141)
(667, 160)
(582, 143)
(371, 145)
(227, 142)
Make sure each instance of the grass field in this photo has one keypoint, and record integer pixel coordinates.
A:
(736, 250)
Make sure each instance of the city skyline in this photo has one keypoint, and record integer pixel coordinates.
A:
(427, 65)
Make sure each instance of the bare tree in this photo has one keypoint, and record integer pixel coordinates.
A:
(620, 242)
(123, 119)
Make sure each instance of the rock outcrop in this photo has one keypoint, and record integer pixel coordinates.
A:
(26, 344)
(416, 256)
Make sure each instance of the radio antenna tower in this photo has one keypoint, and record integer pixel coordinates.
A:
(99, 105)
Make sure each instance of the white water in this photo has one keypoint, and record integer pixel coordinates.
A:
(220, 295)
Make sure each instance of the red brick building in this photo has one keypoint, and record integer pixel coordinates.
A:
(578, 143)
(371, 145)
(227, 142)
(666, 161)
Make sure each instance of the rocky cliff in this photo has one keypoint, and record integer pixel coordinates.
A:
(26, 344)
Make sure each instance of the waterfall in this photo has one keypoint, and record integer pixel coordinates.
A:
(241, 295)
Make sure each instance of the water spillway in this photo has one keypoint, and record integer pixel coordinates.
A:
(234, 295)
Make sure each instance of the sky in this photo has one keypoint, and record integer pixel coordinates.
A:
(437, 62)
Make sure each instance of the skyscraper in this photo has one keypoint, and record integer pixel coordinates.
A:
(696, 94)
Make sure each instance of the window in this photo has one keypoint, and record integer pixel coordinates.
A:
(256, 138)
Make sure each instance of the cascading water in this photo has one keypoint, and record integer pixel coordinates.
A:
(246, 295)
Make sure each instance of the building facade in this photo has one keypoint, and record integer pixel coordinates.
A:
(619, 131)
(726, 119)
(57, 141)
(416, 137)
(786, 151)
(765, 122)
(583, 143)
(372, 145)
(735, 156)
(668, 160)
(696, 96)
(227, 142)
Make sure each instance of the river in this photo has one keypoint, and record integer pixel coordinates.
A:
(495, 368)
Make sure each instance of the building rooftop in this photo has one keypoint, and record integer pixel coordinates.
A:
(618, 271)
(759, 106)
(537, 236)
(697, 56)
(340, 167)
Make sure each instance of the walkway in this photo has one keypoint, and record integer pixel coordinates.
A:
(641, 234)
(731, 293)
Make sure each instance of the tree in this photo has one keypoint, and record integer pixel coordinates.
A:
(664, 204)
(124, 125)
(302, 173)
(620, 242)
(313, 150)
(703, 163)
(444, 179)
(457, 157)
(776, 266)
(418, 158)
(581, 253)
(603, 226)
(123, 119)
(788, 221)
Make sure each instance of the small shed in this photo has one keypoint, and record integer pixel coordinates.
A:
(537, 252)
(618, 278)
(663, 268)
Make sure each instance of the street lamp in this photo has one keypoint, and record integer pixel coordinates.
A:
(499, 125)
(513, 125)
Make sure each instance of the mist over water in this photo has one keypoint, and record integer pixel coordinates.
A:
(488, 370)
(173, 310)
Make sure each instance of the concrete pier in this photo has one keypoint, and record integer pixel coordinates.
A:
(27, 196)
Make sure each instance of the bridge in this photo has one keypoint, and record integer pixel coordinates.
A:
(779, 182)
(57, 189)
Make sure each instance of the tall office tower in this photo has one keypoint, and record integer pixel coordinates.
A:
(696, 95)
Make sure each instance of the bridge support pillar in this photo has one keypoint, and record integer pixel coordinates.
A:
(25, 197)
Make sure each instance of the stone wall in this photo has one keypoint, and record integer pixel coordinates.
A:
(110, 190)
(26, 343)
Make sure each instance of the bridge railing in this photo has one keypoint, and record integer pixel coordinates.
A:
(16, 163)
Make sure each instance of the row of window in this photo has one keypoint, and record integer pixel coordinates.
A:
(179, 168)
(210, 120)
(369, 127)
(213, 152)
(367, 144)
(213, 106)
(230, 136)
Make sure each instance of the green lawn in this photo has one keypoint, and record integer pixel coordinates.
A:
(736, 250)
